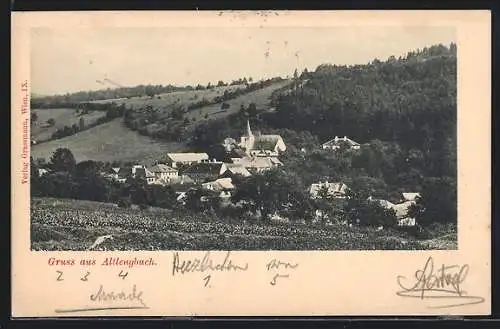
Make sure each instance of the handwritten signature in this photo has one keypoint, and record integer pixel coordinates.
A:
(106, 301)
(205, 264)
(444, 285)
(102, 295)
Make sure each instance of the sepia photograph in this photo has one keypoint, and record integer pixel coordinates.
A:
(284, 138)
(191, 163)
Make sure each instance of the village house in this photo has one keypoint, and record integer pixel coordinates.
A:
(236, 155)
(335, 190)
(205, 171)
(42, 171)
(234, 170)
(401, 210)
(146, 174)
(337, 142)
(410, 196)
(164, 173)
(259, 164)
(261, 145)
(175, 160)
(223, 186)
(181, 180)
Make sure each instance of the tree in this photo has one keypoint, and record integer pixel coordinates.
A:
(149, 91)
(34, 117)
(437, 203)
(51, 122)
(220, 83)
(252, 110)
(81, 124)
(273, 191)
(62, 160)
(360, 210)
(89, 184)
(161, 196)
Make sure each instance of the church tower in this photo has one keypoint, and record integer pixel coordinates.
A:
(249, 131)
(248, 140)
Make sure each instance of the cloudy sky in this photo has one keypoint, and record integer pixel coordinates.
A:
(71, 60)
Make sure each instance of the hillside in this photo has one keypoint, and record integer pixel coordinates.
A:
(108, 142)
(41, 131)
(178, 121)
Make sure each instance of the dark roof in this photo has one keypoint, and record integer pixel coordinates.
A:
(237, 153)
(210, 168)
(125, 171)
(265, 142)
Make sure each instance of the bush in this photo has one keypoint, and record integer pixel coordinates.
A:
(124, 203)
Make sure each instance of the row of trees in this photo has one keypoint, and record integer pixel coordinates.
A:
(68, 99)
(112, 111)
(151, 122)
(272, 192)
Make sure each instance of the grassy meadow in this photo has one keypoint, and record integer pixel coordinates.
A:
(41, 131)
(108, 142)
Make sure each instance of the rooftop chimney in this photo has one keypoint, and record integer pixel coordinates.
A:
(336, 138)
(345, 138)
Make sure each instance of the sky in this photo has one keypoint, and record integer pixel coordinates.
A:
(70, 60)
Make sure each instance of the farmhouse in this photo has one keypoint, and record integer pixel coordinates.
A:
(234, 170)
(401, 210)
(42, 171)
(259, 164)
(237, 154)
(174, 160)
(337, 142)
(410, 196)
(205, 171)
(261, 145)
(181, 180)
(146, 174)
(335, 190)
(164, 173)
(223, 186)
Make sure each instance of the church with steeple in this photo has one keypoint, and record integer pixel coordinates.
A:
(261, 145)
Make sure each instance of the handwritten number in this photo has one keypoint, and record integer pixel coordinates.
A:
(273, 281)
(207, 280)
(122, 275)
(59, 278)
(85, 277)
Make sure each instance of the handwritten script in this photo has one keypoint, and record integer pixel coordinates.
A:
(442, 284)
(277, 265)
(205, 264)
(112, 300)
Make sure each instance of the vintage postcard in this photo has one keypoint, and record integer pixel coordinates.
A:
(251, 163)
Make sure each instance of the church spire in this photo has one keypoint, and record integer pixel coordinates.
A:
(249, 131)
